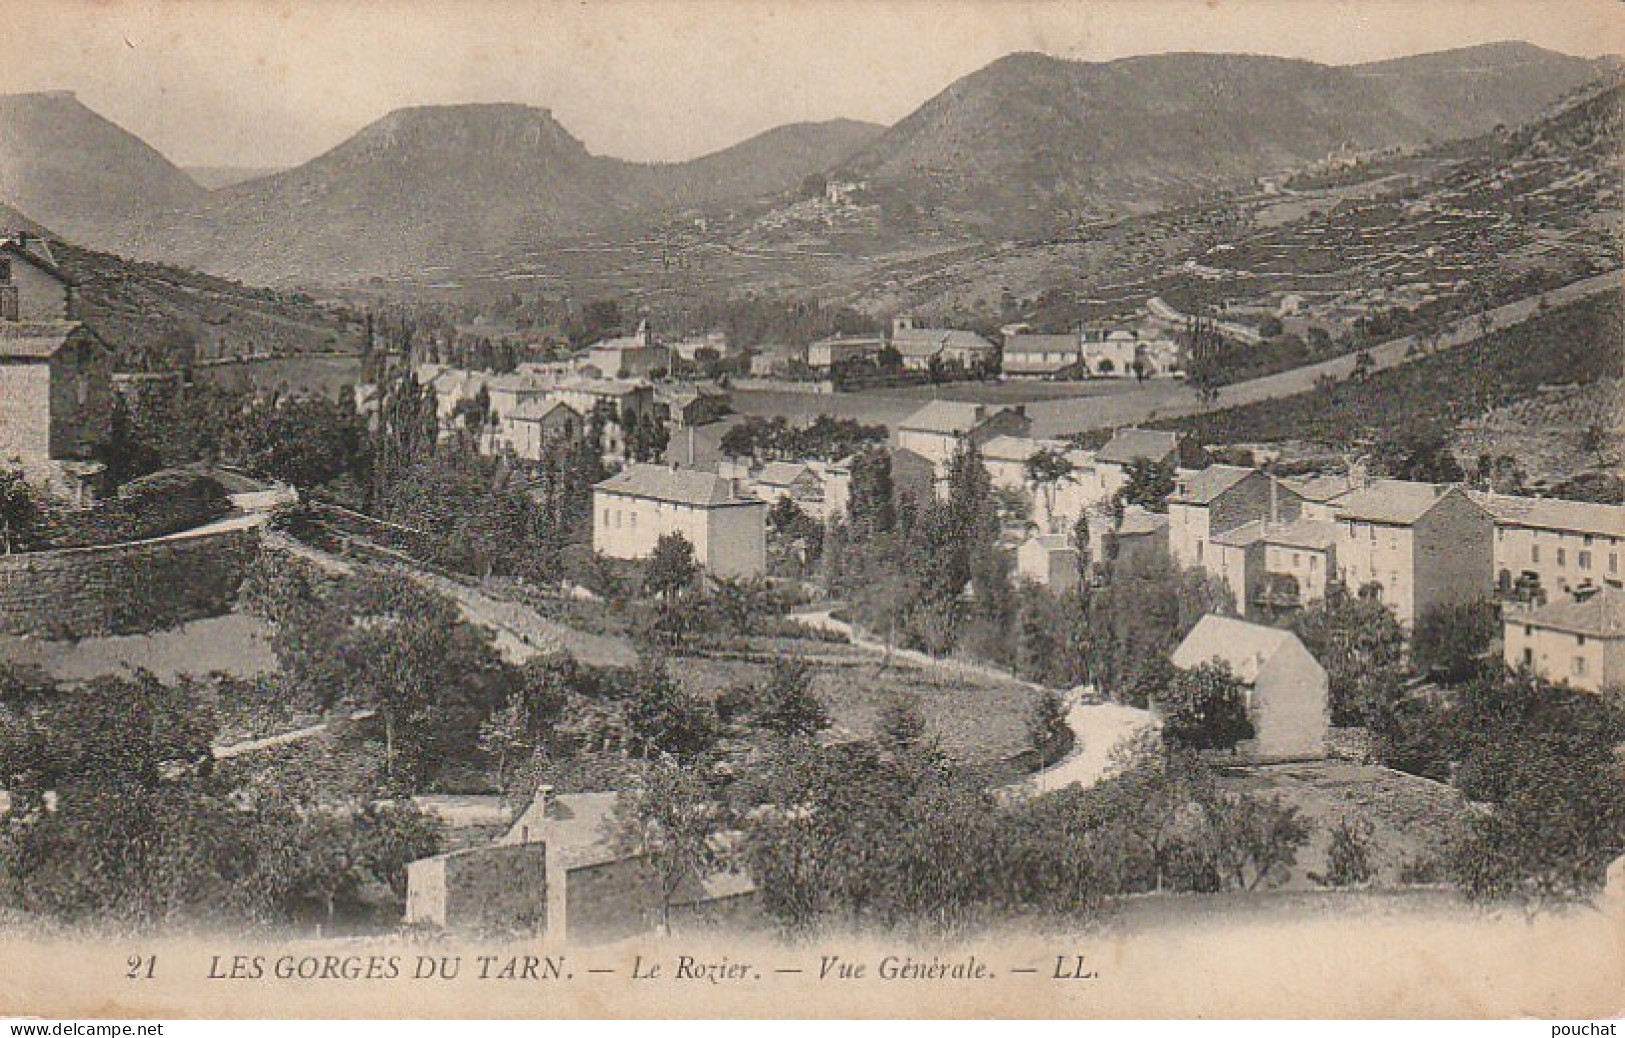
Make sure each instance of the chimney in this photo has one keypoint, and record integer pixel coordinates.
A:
(543, 800)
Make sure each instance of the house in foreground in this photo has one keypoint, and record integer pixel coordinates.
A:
(1286, 687)
(634, 508)
(557, 871)
(1580, 641)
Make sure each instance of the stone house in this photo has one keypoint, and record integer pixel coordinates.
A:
(794, 480)
(33, 288)
(913, 478)
(1049, 560)
(634, 508)
(1215, 500)
(533, 424)
(1545, 547)
(558, 872)
(1126, 446)
(919, 347)
(843, 349)
(1286, 688)
(1027, 355)
(56, 376)
(938, 430)
(1580, 641)
(1416, 545)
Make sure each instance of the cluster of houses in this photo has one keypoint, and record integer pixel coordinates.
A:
(1279, 544)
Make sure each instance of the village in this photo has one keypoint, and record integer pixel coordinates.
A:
(635, 632)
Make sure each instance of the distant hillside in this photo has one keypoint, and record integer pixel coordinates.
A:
(158, 317)
(769, 163)
(1031, 141)
(80, 174)
(428, 190)
(215, 177)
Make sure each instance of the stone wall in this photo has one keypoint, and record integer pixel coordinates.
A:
(129, 588)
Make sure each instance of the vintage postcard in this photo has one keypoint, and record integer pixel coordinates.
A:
(812, 508)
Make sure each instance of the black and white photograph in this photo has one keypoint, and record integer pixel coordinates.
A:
(1071, 509)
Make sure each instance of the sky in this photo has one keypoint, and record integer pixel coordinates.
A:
(272, 83)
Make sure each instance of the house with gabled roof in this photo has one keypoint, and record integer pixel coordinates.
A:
(635, 507)
(56, 376)
(792, 480)
(1577, 641)
(1216, 500)
(938, 430)
(1415, 546)
(1286, 689)
(1029, 355)
(919, 347)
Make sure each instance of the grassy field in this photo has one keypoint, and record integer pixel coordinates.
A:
(234, 644)
(977, 721)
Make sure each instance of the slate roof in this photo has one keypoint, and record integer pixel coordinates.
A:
(926, 342)
(945, 416)
(571, 824)
(1030, 343)
(1204, 486)
(35, 340)
(675, 485)
(1128, 444)
(782, 473)
(1547, 513)
(1313, 534)
(1246, 647)
(536, 410)
(1396, 501)
(1601, 615)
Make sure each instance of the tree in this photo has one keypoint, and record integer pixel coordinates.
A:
(672, 568)
(21, 511)
(1047, 469)
(1363, 368)
(872, 506)
(671, 819)
(785, 704)
(1148, 484)
(1205, 708)
(1362, 647)
(1348, 858)
(1046, 721)
(1451, 641)
(664, 718)
(380, 642)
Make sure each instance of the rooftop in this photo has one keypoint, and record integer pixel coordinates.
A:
(1246, 647)
(573, 824)
(1391, 501)
(35, 340)
(676, 485)
(1601, 614)
(948, 416)
(1548, 513)
(1129, 444)
(1205, 485)
(1314, 534)
(781, 473)
(1027, 342)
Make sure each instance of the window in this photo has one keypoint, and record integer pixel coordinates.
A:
(1297, 560)
(1373, 529)
(1613, 563)
(1579, 666)
(1584, 559)
(1534, 553)
(1198, 551)
(1579, 639)
(1314, 563)
(1588, 540)
(1501, 534)
(1562, 557)
(632, 518)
